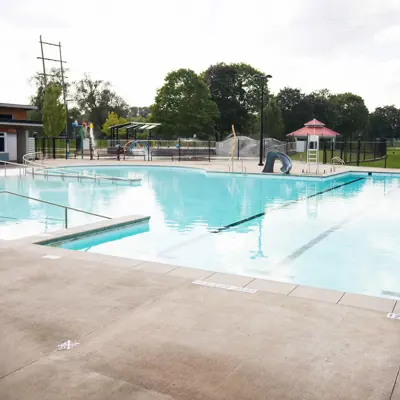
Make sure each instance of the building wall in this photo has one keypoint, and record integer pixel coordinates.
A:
(16, 113)
(22, 145)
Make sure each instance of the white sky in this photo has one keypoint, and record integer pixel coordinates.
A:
(343, 45)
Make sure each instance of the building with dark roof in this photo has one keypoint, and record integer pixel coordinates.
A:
(14, 131)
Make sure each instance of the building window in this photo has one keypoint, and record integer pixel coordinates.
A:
(6, 116)
(3, 138)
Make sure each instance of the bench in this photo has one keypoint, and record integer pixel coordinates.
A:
(196, 154)
(163, 153)
(110, 151)
(136, 153)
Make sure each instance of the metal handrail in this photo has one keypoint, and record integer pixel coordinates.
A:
(79, 175)
(13, 163)
(333, 165)
(66, 208)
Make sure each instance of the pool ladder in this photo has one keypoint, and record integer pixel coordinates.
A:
(231, 165)
(66, 208)
(333, 165)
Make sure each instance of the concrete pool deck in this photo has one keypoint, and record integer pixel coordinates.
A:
(147, 332)
(218, 165)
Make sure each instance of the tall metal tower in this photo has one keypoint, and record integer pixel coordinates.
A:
(45, 75)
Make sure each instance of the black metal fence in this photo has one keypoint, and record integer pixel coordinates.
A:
(354, 152)
(351, 152)
(58, 147)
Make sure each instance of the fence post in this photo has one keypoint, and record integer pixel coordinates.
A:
(350, 149)
(341, 151)
(179, 149)
(209, 150)
(54, 148)
(358, 152)
(66, 217)
(324, 153)
(238, 149)
(385, 148)
(374, 150)
(332, 145)
(43, 147)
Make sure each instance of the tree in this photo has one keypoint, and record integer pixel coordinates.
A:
(322, 107)
(236, 91)
(54, 76)
(351, 114)
(296, 108)
(96, 99)
(135, 112)
(112, 120)
(273, 121)
(384, 123)
(53, 111)
(184, 107)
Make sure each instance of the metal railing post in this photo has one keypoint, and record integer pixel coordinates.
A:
(66, 217)
(358, 152)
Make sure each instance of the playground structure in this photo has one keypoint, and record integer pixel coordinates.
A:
(137, 147)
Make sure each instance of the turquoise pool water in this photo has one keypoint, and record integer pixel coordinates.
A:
(337, 233)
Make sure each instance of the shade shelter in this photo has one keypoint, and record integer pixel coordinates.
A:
(316, 128)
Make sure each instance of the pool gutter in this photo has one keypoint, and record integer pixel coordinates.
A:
(63, 235)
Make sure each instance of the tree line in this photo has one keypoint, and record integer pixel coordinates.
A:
(209, 103)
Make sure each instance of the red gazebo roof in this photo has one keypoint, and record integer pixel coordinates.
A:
(314, 127)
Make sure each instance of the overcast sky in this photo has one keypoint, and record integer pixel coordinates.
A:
(343, 45)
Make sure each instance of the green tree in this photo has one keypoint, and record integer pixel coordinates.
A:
(53, 111)
(135, 112)
(295, 107)
(37, 99)
(273, 121)
(236, 91)
(384, 123)
(351, 114)
(184, 107)
(112, 120)
(95, 99)
(322, 107)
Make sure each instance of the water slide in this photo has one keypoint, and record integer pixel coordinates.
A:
(282, 157)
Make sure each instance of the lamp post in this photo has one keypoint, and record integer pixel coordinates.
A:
(263, 79)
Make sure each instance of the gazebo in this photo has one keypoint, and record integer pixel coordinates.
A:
(316, 128)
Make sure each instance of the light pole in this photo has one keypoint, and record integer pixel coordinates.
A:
(263, 79)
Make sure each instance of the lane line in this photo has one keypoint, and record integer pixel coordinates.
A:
(242, 221)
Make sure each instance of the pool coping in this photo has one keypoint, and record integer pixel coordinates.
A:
(40, 244)
(328, 176)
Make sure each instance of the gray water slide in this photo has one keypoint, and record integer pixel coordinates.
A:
(282, 157)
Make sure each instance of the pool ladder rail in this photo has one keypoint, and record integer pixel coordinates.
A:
(231, 166)
(30, 167)
(333, 163)
(66, 208)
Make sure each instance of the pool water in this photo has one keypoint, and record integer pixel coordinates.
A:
(339, 233)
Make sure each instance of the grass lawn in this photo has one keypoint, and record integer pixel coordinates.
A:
(393, 158)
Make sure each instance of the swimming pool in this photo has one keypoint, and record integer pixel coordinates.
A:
(336, 233)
